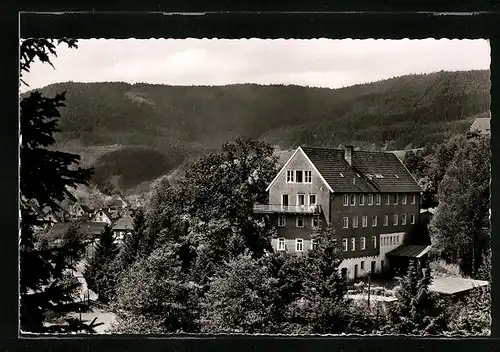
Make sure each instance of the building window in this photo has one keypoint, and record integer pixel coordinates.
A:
(353, 199)
(363, 244)
(344, 244)
(314, 244)
(387, 199)
(364, 221)
(403, 219)
(361, 199)
(308, 176)
(284, 199)
(354, 221)
(346, 199)
(298, 176)
(412, 219)
(301, 199)
(395, 220)
(396, 199)
(413, 199)
(403, 199)
(300, 221)
(281, 244)
(353, 243)
(289, 176)
(282, 221)
(312, 199)
(345, 222)
(374, 221)
(377, 199)
(374, 242)
(299, 244)
(386, 220)
(362, 265)
(370, 199)
(315, 221)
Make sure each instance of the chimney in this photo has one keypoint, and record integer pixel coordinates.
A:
(348, 154)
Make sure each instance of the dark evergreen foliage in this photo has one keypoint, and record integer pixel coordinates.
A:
(45, 176)
(101, 268)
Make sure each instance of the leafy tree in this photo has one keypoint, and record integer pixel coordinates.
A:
(226, 185)
(241, 299)
(474, 316)
(100, 271)
(155, 291)
(460, 228)
(45, 178)
(416, 163)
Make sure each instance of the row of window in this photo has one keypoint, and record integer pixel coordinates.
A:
(301, 199)
(299, 244)
(299, 221)
(298, 176)
(390, 240)
(364, 221)
(362, 243)
(351, 199)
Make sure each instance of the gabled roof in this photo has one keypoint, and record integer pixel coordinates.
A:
(371, 171)
(124, 223)
(482, 124)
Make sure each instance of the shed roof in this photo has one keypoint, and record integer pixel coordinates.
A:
(370, 171)
(410, 251)
(452, 285)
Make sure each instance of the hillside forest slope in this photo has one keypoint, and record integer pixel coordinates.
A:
(133, 133)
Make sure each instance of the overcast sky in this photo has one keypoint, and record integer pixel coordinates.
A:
(319, 62)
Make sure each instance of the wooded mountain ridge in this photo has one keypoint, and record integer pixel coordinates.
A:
(155, 128)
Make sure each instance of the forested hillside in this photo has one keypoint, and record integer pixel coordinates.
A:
(164, 126)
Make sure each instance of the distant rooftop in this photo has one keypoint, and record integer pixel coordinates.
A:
(482, 124)
(452, 285)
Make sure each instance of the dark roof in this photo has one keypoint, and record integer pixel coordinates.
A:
(86, 209)
(90, 229)
(372, 171)
(409, 251)
(124, 223)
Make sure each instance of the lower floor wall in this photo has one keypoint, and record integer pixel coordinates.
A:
(357, 267)
(353, 267)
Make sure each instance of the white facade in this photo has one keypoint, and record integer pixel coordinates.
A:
(388, 242)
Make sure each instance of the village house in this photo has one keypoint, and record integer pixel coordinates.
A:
(123, 227)
(370, 198)
(104, 215)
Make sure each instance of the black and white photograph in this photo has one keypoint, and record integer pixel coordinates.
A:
(255, 186)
